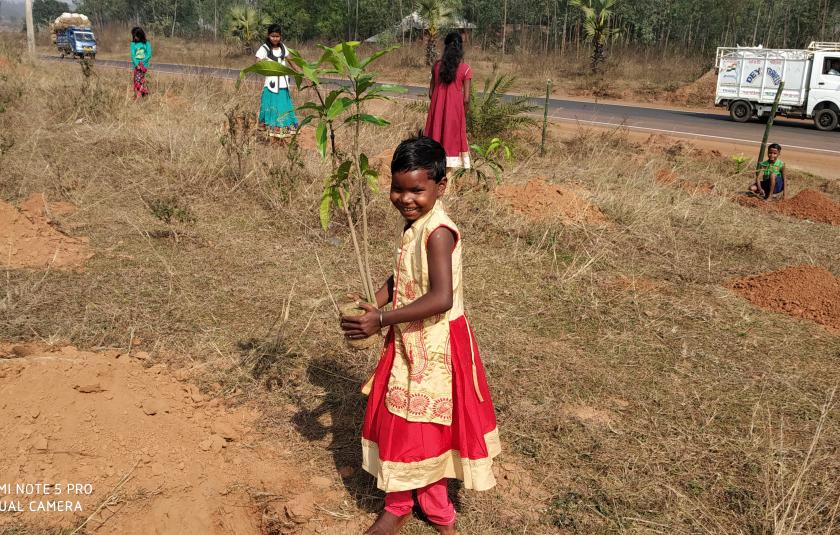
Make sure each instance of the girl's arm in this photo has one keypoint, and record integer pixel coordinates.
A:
(148, 53)
(467, 85)
(437, 301)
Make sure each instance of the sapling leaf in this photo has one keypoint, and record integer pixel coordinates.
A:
(366, 118)
(324, 211)
(321, 138)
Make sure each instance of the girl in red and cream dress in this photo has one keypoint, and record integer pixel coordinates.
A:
(429, 416)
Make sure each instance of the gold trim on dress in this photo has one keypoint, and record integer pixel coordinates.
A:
(394, 476)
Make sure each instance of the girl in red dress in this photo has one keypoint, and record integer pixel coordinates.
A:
(429, 417)
(449, 90)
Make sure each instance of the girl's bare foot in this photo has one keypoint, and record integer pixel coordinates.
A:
(388, 524)
(446, 530)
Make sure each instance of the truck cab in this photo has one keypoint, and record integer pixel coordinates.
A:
(824, 90)
(83, 42)
(76, 41)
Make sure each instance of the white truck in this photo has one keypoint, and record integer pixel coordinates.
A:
(749, 77)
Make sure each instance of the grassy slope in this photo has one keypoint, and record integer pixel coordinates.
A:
(695, 384)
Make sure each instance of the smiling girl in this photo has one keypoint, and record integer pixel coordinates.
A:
(429, 417)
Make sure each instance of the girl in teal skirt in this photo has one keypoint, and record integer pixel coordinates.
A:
(277, 112)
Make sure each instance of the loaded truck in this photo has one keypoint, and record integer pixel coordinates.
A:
(748, 78)
(73, 36)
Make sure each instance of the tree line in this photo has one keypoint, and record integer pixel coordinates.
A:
(506, 25)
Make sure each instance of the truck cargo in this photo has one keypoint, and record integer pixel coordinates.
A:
(73, 36)
(748, 78)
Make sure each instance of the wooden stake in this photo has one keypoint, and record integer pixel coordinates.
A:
(545, 116)
(30, 28)
(769, 124)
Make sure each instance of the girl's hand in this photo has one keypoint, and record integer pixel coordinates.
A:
(358, 327)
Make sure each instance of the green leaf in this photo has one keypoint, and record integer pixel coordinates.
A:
(363, 83)
(338, 107)
(349, 52)
(303, 122)
(324, 210)
(267, 67)
(321, 138)
(373, 181)
(343, 171)
(366, 118)
(314, 106)
(364, 165)
(376, 55)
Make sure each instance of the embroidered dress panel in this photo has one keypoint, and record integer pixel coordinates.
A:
(420, 384)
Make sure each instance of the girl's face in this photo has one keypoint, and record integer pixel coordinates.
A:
(275, 38)
(773, 154)
(414, 193)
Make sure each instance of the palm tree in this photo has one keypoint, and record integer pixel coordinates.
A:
(436, 14)
(596, 24)
(244, 25)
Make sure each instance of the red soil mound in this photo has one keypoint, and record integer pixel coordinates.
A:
(194, 466)
(697, 93)
(807, 204)
(542, 200)
(803, 291)
(28, 240)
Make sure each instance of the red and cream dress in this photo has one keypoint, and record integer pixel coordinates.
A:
(429, 415)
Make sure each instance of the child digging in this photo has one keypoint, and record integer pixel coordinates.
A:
(770, 176)
(429, 416)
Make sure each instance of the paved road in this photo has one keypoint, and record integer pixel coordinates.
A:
(713, 125)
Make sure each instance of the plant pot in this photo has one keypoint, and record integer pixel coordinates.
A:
(353, 309)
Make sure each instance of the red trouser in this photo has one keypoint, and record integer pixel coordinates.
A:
(433, 499)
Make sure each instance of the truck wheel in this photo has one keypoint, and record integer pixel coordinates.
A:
(825, 119)
(740, 111)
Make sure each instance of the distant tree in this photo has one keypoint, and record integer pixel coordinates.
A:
(245, 25)
(596, 24)
(46, 11)
(436, 14)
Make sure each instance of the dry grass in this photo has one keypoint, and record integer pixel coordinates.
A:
(638, 75)
(707, 408)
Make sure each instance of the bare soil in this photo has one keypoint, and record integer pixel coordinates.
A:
(193, 465)
(802, 291)
(539, 199)
(808, 204)
(30, 238)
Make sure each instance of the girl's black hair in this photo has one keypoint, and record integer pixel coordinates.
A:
(420, 152)
(272, 28)
(453, 53)
(138, 35)
(774, 146)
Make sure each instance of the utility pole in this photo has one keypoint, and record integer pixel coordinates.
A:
(30, 28)
(504, 27)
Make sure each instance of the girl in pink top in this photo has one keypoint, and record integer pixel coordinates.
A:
(449, 90)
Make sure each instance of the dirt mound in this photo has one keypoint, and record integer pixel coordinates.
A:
(670, 178)
(29, 239)
(802, 291)
(807, 204)
(700, 92)
(542, 200)
(163, 457)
